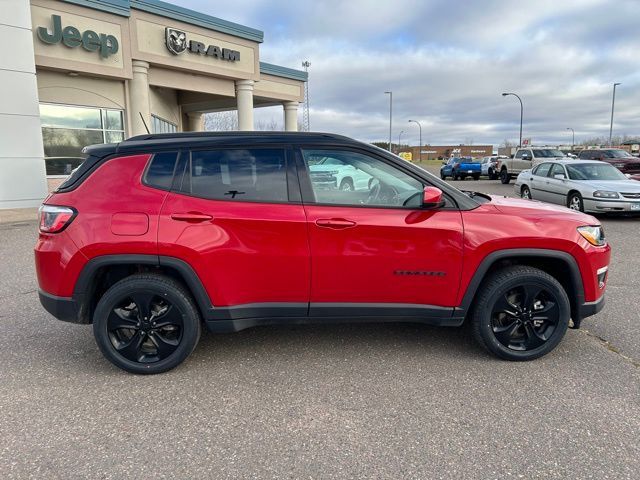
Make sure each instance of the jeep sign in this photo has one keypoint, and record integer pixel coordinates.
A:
(176, 41)
(72, 37)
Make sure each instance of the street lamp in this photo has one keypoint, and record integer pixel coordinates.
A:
(573, 137)
(613, 102)
(420, 148)
(399, 135)
(390, 115)
(504, 94)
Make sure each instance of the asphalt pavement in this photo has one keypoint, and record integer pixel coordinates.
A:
(351, 401)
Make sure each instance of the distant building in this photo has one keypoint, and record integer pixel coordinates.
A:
(435, 152)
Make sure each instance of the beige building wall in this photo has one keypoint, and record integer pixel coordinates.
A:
(164, 104)
(58, 87)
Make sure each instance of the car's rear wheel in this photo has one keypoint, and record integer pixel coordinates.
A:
(492, 174)
(574, 202)
(525, 192)
(146, 324)
(521, 313)
(505, 178)
(346, 185)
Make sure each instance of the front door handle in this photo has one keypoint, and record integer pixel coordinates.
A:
(193, 217)
(335, 223)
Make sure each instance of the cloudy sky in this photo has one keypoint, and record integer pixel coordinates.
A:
(447, 61)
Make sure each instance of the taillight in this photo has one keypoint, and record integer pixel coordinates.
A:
(54, 219)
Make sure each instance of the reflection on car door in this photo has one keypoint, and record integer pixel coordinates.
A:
(557, 187)
(538, 181)
(370, 246)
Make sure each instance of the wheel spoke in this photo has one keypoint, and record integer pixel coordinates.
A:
(534, 339)
(164, 346)
(504, 334)
(503, 305)
(143, 303)
(118, 319)
(131, 349)
(169, 316)
(530, 292)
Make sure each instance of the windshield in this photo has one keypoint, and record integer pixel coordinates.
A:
(547, 153)
(594, 171)
(618, 154)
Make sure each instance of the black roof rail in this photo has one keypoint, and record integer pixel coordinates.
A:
(181, 135)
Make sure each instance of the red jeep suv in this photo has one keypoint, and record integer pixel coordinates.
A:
(153, 237)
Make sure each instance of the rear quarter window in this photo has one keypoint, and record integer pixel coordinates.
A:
(160, 170)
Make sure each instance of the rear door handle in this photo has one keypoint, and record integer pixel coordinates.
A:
(193, 217)
(335, 223)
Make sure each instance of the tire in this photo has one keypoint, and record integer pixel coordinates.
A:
(346, 185)
(505, 178)
(574, 202)
(492, 174)
(442, 175)
(476, 177)
(525, 192)
(135, 345)
(506, 324)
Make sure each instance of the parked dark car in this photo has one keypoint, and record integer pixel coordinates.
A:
(621, 159)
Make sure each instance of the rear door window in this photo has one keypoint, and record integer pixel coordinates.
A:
(238, 174)
(160, 171)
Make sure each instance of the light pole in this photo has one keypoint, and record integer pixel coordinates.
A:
(420, 148)
(573, 137)
(390, 116)
(504, 94)
(399, 135)
(613, 103)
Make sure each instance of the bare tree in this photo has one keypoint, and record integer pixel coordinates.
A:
(221, 121)
(468, 141)
(507, 143)
(271, 125)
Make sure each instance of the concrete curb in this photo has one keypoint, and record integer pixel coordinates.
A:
(15, 215)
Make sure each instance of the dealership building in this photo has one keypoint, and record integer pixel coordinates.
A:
(80, 72)
(435, 152)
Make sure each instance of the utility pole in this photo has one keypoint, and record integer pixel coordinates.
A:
(390, 116)
(306, 123)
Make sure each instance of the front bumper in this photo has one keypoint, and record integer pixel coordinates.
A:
(587, 309)
(604, 206)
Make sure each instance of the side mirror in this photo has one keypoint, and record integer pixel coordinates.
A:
(559, 176)
(432, 197)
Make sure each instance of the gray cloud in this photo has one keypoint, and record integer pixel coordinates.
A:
(448, 61)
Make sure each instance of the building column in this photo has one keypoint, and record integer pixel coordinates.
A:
(195, 122)
(139, 98)
(244, 99)
(290, 116)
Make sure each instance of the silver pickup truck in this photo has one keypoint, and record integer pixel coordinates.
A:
(524, 159)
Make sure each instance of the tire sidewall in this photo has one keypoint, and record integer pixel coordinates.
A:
(581, 203)
(190, 322)
(486, 331)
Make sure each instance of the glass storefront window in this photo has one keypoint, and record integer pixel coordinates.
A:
(66, 130)
(159, 125)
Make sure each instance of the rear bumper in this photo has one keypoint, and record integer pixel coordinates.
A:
(63, 308)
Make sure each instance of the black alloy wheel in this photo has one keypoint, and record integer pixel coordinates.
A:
(146, 324)
(521, 313)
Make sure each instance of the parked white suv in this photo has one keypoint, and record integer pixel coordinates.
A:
(333, 173)
(524, 159)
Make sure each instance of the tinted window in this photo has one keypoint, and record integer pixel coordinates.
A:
(238, 174)
(357, 179)
(594, 171)
(542, 170)
(519, 153)
(160, 171)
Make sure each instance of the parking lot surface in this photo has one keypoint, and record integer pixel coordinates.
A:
(352, 401)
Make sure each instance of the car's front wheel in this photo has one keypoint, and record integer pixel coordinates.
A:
(146, 324)
(525, 193)
(442, 175)
(574, 202)
(521, 313)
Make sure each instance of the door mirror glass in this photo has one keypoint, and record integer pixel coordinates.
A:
(431, 197)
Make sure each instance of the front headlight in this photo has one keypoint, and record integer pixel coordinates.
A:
(619, 165)
(594, 234)
(605, 194)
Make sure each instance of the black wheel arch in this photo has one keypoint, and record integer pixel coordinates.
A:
(561, 265)
(101, 272)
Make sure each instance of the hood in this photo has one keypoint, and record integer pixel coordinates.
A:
(614, 185)
(521, 207)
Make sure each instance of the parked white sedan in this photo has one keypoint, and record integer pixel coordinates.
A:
(588, 186)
